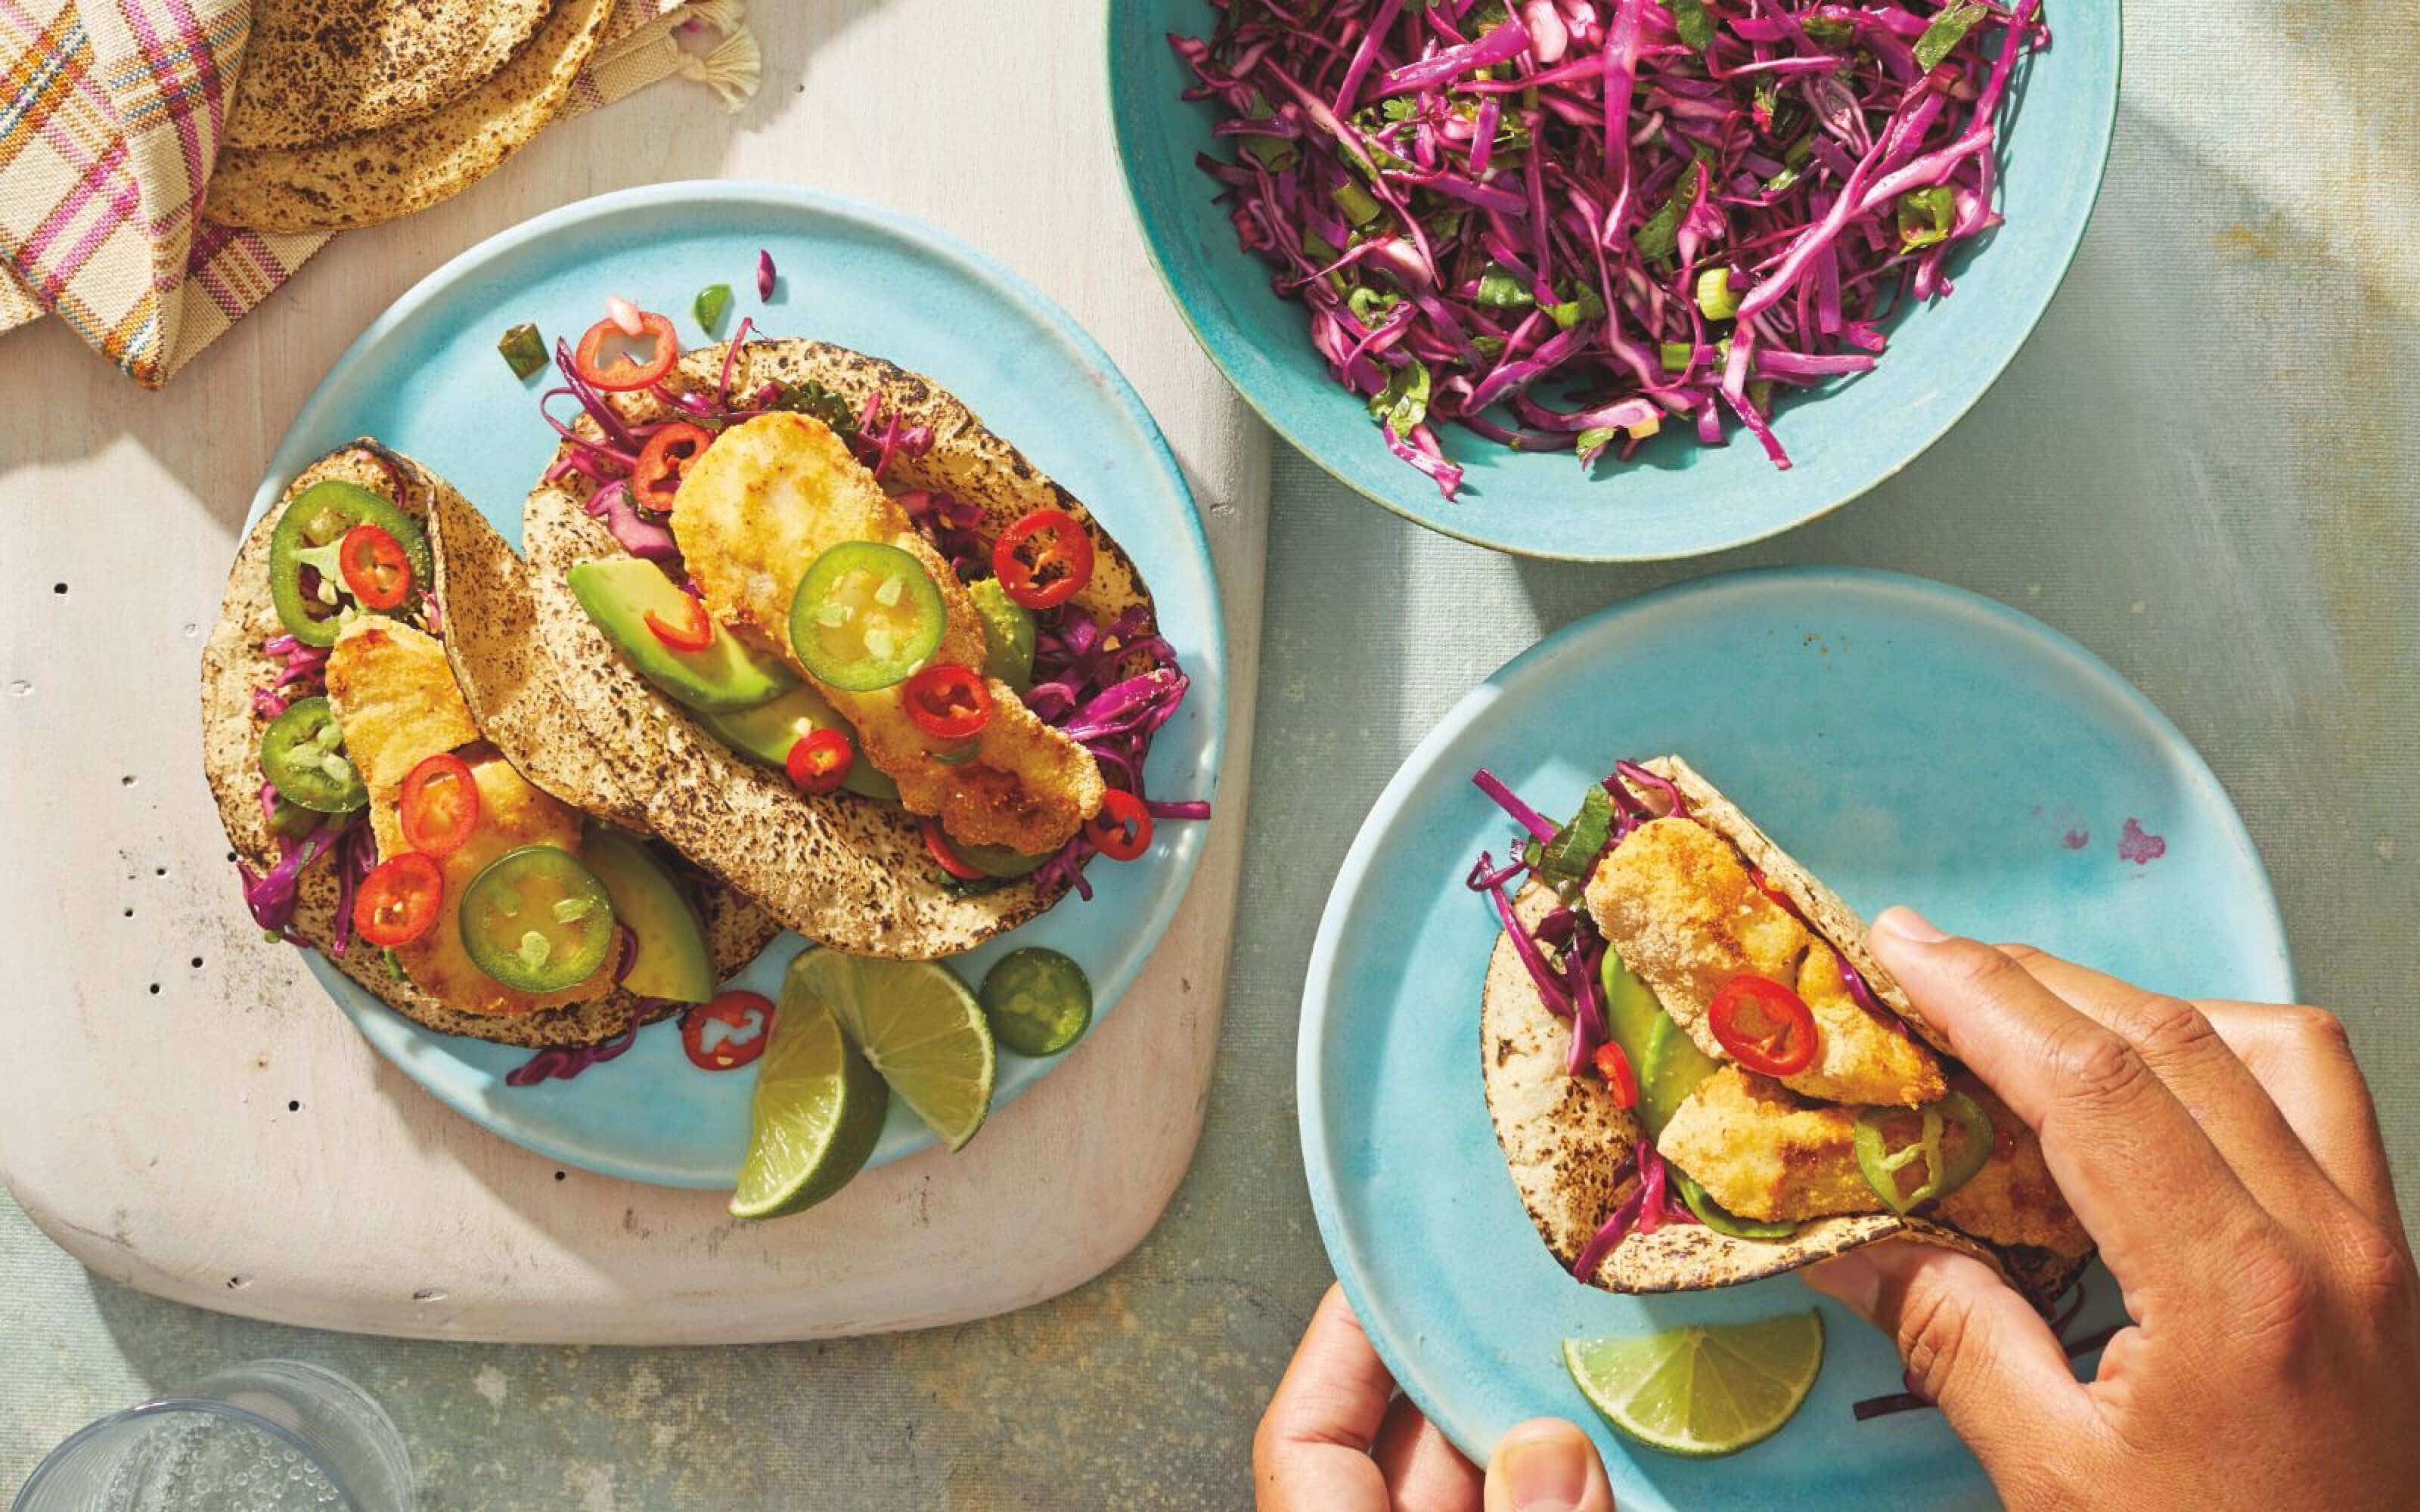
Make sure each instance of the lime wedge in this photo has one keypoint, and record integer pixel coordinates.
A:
(817, 1113)
(918, 1024)
(1709, 1390)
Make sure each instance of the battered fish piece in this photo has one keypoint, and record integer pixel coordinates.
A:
(2012, 1199)
(1765, 1154)
(394, 694)
(1678, 904)
(755, 511)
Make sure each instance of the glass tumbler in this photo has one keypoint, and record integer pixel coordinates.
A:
(263, 1437)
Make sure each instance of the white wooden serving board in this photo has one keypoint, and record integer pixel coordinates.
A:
(182, 1108)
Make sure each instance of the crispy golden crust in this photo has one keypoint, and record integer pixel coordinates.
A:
(776, 492)
(1764, 1153)
(1679, 907)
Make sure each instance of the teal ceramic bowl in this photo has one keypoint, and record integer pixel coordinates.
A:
(1674, 498)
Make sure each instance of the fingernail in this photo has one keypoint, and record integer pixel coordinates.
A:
(1910, 925)
(1851, 1280)
(1549, 1471)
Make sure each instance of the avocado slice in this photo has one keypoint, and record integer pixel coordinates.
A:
(766, 733)
(1666, 1060)
(620, 594)
(1008, 635)
(1631, 1010)
(1672, 1069)
(673, 961)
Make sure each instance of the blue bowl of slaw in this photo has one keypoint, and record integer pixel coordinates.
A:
(1675, 498)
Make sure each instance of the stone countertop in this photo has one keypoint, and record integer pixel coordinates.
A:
(2202, 468)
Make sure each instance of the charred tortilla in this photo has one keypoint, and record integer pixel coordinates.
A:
(361, 179)
(841, 870)
(1564, 1138)
(313, 71)
(233, 664)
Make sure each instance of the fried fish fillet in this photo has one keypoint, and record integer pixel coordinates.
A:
(1677, 903)
(755, 511)
(394, 694)
(1765, 1154)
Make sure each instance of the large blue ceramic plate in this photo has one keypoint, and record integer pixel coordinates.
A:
(426, 379)
(1677, 498)
(1910, 743)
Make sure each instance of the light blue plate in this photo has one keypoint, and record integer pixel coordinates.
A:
(1908, 742)
(426, 379)
(1677, 498)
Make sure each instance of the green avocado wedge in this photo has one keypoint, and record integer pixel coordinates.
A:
(1672, 1069)
(766, 732)
(674, 960)
(727, 675)
(1008, 635)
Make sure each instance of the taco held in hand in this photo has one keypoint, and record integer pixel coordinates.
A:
(373, 822)
(1699, 1076)
(837, 641)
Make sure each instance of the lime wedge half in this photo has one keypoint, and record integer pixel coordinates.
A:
(918, 1024)
(817, 1113)
(1709, 1390)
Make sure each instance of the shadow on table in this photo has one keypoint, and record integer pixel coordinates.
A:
(241, 393)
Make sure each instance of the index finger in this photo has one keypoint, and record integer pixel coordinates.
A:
(2139, 1172)
(1312, 1448)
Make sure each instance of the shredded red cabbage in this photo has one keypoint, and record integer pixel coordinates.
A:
(564, 1062)
(1583, 959)
(1675, 806)
(1616, 1228)
(1565, 219)
(1486, 879)
(356, 857)
(272, 895)
(635, 534)
(1652, 1182)
(1529, 818)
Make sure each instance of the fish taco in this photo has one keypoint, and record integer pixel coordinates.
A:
(1699, 1076)
(374, 821)
(837, 641)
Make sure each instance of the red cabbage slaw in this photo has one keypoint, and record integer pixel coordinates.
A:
(1565, 955)
(1108, 687)
(1560, 223)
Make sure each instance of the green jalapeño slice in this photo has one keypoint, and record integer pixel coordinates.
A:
(302, 755)
(311, 534)
(865, 616)
(1943, 1170)
(537, 921)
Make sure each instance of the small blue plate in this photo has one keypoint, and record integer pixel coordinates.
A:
(426, 379)
(1676, 498)
(1908, 742)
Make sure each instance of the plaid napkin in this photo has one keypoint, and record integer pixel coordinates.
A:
(110, 113)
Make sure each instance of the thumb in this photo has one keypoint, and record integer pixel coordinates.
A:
(1546, 1465)
(1972, 1345)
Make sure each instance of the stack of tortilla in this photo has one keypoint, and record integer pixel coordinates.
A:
(347, 113)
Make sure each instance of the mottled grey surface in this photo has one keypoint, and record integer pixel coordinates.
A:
(2202, 468)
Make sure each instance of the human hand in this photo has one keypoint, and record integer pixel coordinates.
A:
(1336, 1438)
(2227, 1159)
